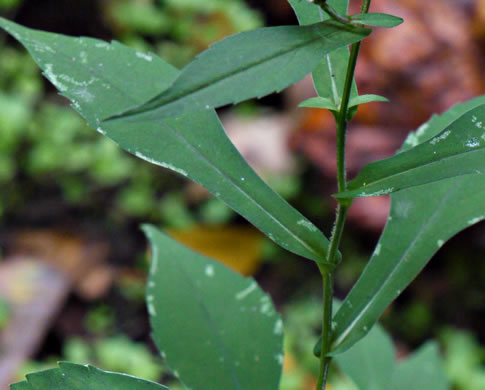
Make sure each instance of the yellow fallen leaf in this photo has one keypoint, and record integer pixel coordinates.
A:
(237, 247)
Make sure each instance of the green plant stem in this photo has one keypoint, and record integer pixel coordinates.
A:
(327, 278)
(341, 214)
(331, 12)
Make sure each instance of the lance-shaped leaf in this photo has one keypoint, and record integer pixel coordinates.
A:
(216, 329)
(102, 79)
(330, 74)
(70, 376)
(457, 150)
(319, 102)
(377, 20)
(248, 65)
(422, 219)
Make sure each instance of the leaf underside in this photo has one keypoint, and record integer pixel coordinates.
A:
(421, 220)
(102, 79)
(247, 65)
(223, 322)
(70, 376)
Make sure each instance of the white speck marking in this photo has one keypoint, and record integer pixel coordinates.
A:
(278, 327)
(144, 56)
(377, 193)
(244, 293)
(49, 73)
(307, 224)
(440, 138)
(440, 243)
(472, 142)
(377, 251)
(209, 271)
(476, 219)
(83, 94)
(280, 359)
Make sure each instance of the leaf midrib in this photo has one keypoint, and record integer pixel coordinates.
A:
(403, 172)
(149, 106)
(221, 345)
(95, 71)
(242, 191)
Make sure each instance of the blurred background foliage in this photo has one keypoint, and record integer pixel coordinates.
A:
(57, 176)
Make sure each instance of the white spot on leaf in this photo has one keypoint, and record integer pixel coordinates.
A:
(49, 73)
(377, 251)
(280, 358)
(475, 220)
(209, 271)
(144, 56)
(473, 142)
(307, 224)
(278, 327)
(440, 138)
(378, 193)
(244, 293)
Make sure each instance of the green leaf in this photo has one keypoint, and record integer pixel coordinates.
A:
(102, 79)
(423, 370)
(370, 363)
(363, 99)
(309, 13)
(422, 219)
(325, 103)
(329, 76)
(319, 102)
(70, 376)
(377, 20)
(216, 329)
(457, 150)
(247, 65)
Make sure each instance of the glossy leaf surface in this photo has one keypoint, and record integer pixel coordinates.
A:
(377, 20)
(329, 75)
(216, 329)
(101, 79)
(457, 150)
(422, 219)
(70, 376)
(248, 65)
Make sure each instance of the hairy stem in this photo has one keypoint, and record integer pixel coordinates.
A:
(342, 118)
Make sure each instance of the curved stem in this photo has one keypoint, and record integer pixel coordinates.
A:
(341, 215)
(331, 12)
